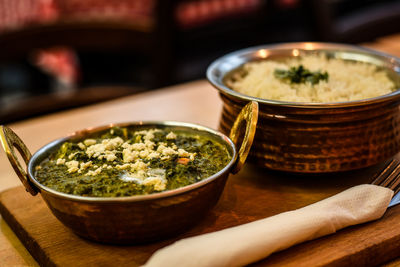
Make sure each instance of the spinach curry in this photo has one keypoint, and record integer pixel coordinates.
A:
(124, 162)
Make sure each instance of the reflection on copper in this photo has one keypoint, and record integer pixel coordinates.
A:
(295, 52)
(263, 53)
(309, 46)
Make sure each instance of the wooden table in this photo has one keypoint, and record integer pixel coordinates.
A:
(195, 102)
(389, 44)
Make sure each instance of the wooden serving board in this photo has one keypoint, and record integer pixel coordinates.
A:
(253, 194)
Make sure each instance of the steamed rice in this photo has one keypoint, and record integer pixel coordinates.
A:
(347, 80)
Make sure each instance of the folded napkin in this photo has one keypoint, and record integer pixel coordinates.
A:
(247, 243)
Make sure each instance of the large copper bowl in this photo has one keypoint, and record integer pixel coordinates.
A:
(315, 137)
(127, 220)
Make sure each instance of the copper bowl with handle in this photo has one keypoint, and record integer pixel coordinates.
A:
(140, 218)
(315, 137)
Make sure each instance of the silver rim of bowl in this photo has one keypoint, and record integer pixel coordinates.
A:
(217, 71)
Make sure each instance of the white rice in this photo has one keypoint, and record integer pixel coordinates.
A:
(347, 81)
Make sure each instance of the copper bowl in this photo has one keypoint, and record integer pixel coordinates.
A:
(315, 137)
(134, 219)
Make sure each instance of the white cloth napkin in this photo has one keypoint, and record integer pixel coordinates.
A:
(247, 243)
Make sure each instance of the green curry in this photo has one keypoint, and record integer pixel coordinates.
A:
(124, 162)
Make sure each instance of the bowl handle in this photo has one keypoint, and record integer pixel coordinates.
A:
(249, 115)
(10, 140)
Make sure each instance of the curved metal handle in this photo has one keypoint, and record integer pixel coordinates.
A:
(9, 140)
(248, 114)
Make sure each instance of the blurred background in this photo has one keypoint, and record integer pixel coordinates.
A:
(58, 54)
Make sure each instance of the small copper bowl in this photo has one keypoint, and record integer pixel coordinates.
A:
(315, 137)
(135, 219)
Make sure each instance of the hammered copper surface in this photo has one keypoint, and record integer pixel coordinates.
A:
(315, 138)
(133, 222)
(321, 140)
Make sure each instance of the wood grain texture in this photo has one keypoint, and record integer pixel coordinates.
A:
(252, 194)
